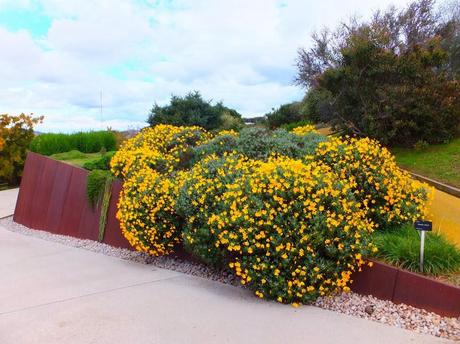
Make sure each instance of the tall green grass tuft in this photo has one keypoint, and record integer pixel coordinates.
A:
(401, 247)
(85, 142)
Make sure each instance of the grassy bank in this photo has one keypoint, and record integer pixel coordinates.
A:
(77, 158)
(439, 162)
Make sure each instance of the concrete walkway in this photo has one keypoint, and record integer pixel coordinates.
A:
(8, 202)
(51, 293)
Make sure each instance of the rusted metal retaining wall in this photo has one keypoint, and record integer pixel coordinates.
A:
(400, 286)
(52, 197)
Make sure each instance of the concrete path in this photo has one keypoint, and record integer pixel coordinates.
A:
(8, 202)
(51, 293)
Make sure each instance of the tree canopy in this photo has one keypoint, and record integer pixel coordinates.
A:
(192, 109)
(393, 77)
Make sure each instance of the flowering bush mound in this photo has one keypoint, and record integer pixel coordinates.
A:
(290, 214)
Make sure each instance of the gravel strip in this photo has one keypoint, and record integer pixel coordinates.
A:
(367, 307)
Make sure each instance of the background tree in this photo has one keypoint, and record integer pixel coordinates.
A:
(389, 78)
(285, 114)
(192, 109)
(16, 133)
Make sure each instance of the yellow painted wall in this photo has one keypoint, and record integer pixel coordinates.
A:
(445, 214)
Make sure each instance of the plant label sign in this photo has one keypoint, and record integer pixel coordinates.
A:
(422, 225)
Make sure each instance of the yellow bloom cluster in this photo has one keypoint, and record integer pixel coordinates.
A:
(389, 194)
(160, 148)
(147, 163)
(305, 129)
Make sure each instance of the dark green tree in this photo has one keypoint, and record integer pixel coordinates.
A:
(192, 109)
(389, 78)
(285, 114)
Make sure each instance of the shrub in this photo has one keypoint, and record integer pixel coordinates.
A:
(389, 78)
(162, 148)
(86, 142)
(289, 231)
(16, 133)
(149, 163)
(290, 214)
(386, 192)
(260, 143)
(95, 185)
(146, 211)
(194, 110)
(285, 114)
(103, 163)
(401, 247)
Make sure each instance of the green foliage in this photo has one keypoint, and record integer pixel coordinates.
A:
(259, 143)
(386, 78)
(103, 163)
(95, 186)
(105, 207)
(85, 142)
(317, 105)
(285, 114)
(194, 110)
(16, 133)
(401, 247)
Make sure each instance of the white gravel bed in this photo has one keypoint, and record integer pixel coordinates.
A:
(367, 307)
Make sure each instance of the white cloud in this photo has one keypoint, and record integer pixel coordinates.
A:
(240, 52)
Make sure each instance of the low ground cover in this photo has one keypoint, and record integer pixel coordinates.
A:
(290, 214)
(440, 162)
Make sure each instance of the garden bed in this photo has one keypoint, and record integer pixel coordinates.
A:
(52, 198)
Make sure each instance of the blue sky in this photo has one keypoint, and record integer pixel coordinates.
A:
(57, 55)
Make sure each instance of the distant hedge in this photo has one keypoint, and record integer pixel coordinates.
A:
(86, 142)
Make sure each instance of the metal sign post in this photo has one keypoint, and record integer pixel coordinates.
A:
(422, 227)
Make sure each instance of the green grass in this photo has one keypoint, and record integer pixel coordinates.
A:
(439, 162)
(77, 158)
(401, 247)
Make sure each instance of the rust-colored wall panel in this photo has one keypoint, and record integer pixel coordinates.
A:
(58, 196)
(89, 223)
(427, 293)
(74, 203)
(25, 203)
(42, 194)
(113, 235)
(379, 280)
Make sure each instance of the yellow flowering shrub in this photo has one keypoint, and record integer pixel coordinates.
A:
(148, 164)
(289, 230)
(146, 211)
(388, 194)
(290, 214)
(305, 129)
(162, 148)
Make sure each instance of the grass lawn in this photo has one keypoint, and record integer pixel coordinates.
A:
(76, 158)
(439, 162)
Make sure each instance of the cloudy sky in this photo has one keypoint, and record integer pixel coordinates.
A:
(57, 55)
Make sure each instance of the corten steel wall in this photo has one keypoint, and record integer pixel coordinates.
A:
(52, 197)
(400, 286)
